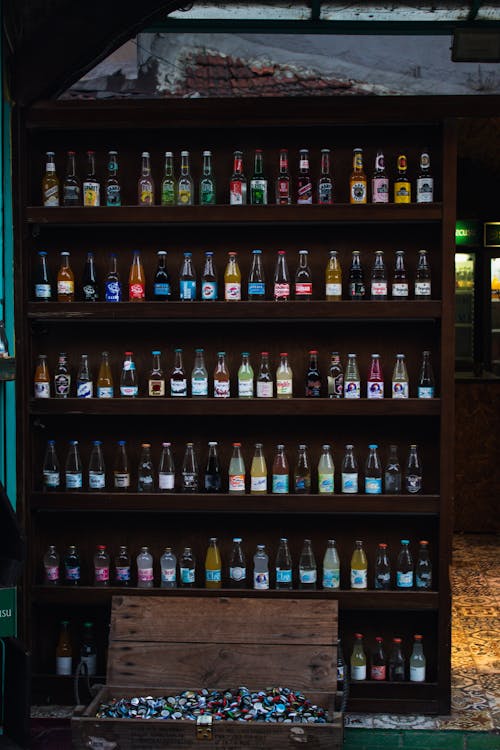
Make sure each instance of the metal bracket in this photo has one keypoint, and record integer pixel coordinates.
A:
(204, 728)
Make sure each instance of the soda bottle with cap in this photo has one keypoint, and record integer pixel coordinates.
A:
(380, 180)
(302, 472)
(51, 472)
(199, 376)
(265, 386)
(313, 376)
(213, 478)
(245, 377)
(156, 379)
(168, 185)
(187, 568)
(304, 182)
(42, 378)
(375, 382)
(382, 568)
(73, 469)
(101, 566)
(97, 469)
(121, 470)
(404, 569)
(303, 287)
(43, 282)
(283, 566)
(190, 470)
(65, 280)
(166, 469)
(112, 188)
(357, 181)
(187, 279)
(113, 287)
(213, 566)
(358, 659)
(331, 566)
(258, 183)
(417, 660)
(222, 383)
(356, 287)
(237, 565)
(105, 387)
(168, 568)
(284, 378)
(162, 288)
(237, 471)
(91, 183)
(258, 472)
(128, 380)
(209, 286)
(207, 181)
(281, 281)
(423, 568)
(238, 182)
(232, 279)
(378, 284)
(185, 186)
(379, 661)
(51, 567)
(146, 472)
(50, 182)
(280, 472)
(136, 279)
(325, 182)
(256, 279)
(178, 380)
(122, 567)
(396, 661)
(373, 472)
(261, 568)
(145, 571)
(402, 185)
(359, 567)
(283, 186)
(326, 471)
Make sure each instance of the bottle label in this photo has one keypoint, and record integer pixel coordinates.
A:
(325, 483)
(399, 389)
(349, 483)
(264, 389)
(74, 481)
(283, 190)
(352, 389)
(359, 579)
(213, 482)
(73, 573)
(42, 390)
(209, 290)
(425, 391)
(358, 192)
(258, 484)
(91, 194)
(52, 572)
(302, 484)
(166, 481)
(356, 290)
(85, 389)
(199, 386)
(232, 290)
(51, 478)
(62, 384)
(283, 575)
(404, 580)
(402, 192)
(105, 391)
(425, 189)
(304, 289)
(236, 483)
(422, 289)
(423, 580)
(113, 195)
(382, 580)
(256, 288)
(284, 386)
(280, 484)
(156, 387)
(400, 289)
(189, 481)
(97, 480)
(121, 479)
(51, 195)
(43, 291)
(379, 289)
(178, 387)
(258, 188)
(373, 485)
(375, 389)
(380, 190)
(187, 289)
(65, 287)
(307, 576)
(129, 390)
(102, 574)
(236, 193)
(417, 674)
(63, 663)
(221, 389)
(213, 575)
(128, 365)
(325, 193)
(305, 193)
(331, 578)
(413, 483)
(340, 673)
(333, 290)
(245, 388)
(161, 289)
(261, 579)
(168, 575)
(281, 291)
(89, 293)
(145, 575)
(237, 573)
(187, 575)
(378, 672)
(136, 291)
(123, 573)
(113, 291)
(358, 672)
(336, 386)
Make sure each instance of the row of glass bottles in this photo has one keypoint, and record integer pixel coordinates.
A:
(392, 479)
(180, 191)
(383, 667)
(87, 652)
(175, 384)
(382, 284)
(182, 572)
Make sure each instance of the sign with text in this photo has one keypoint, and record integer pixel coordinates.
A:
(8, 612)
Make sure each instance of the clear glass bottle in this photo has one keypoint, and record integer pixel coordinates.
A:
(258, 472)
(423, 285)
(280, 472)
(42, 378)
(404, 568)
(72, 567)
(178, 380)
(352, 382)
(331, 566)
(105, 387)
(136, 279)
(166, 469)
(245, 377)
(51, 572)
(392, 473)
(358, 659)
(222, 382)
(121, 470)
(303, 287)
(187, 279)
(207, 182)
(237, 472)
(304, 182)
(65, 280)
(237, 565)
(43, 281)
(359, 567)
(187, 568)
(168, 185)
(129, 387)
(281, 279)
(308, 573)
(232, 279)
(156, 379)
(350, 472)
(333, 278)
(261, 568)
(73, 469)
(375, 382)
(51, 471)
(357, 182)
(396, 661)
(190, 470)
(283, 566)
(168, 568)
(101, 566)
(199, 376)
(145, 572)
(284, 378)
(413, 472)
(400, 287)
(209, 285)
(423, 568)
(146, 472)
(256, 278)
(373, 472)
(400, 381)
(84, 382)
(213, 477)
(417, 660)
(72, 186)
(265, 384)
(426, 377)
(97, 469)
(185, 186)
(302, 472)
(50, 182)
(326, 471)
(383, 580)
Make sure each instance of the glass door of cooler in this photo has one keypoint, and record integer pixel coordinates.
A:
(495, 315)
(464, 310)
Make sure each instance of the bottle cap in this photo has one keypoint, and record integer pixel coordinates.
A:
(155, 351)
(101, 547)
(375, 356)
(145, 153)
(258, 150)
(90, 153)
(188, 255)
(284, 539)
(169, 153)
(146, 445)
(280, 447)
(326, 447)
(232, 254)
(51, 442)
(221, 354)
(349, 447)
(122, 442)
(236, 445)
(382, 545)
(161, 252)
(73, 442)
(209, 253)
(245, 354)
(128, 354)
(402, 356)
(166, 445)
(177, 351)
(256, 252)
(43, 253)
(237, 539)
(302, 252)
(207, 153)
(358, 635)
(199, 351)
(184, 153)
(113, 153)
(261, 547)
(96, 442)
(397, 640)
(405, 541)
(313, 351)
(325, 150)
(373, 446)
(213, 443)
(379, 639)
(50, 153)
(258, 445)
(417, 637)
(264, 354)
(302, 447)
(64, 252)
(283, 354)
(281, 252)
(424, 543)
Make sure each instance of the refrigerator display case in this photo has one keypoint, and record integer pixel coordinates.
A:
(495, 313)
(465, 264)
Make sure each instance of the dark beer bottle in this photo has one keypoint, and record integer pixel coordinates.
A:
(90, 290)
(356, 280)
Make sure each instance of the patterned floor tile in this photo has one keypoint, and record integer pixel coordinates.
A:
(398, 721)
(480, 721)
(468, 693)
(472, 606)
(495, 716)
(486, 664)
(491, 684)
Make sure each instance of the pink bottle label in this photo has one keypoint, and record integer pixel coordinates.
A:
(145, 574)
(102, 574)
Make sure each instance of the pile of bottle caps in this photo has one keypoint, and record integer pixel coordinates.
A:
(275, 705)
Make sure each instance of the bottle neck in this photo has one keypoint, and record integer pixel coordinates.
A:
(238, 164)
(325, 163)
(185, 165)
(258, 164)
(207, 166)
(283, 162)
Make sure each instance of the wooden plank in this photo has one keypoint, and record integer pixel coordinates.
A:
(224, 620)
(221, 665)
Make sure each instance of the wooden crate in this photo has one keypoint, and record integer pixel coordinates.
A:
(163, 645)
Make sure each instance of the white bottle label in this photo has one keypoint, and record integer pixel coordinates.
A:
(379, 289)
(359, 578)
(258, 484)
(97, 480)
(374, 389)
(178, 387)
(63, 664)
(129, 390)
(122, 480)
(245, 388)
(331, 578)
(73, 481)
(91, 663)
(264, 389)
(51, 478)
(425, 189)
(417, 674)
(145, 575)
(166, 481)
(325, 484)
(399, 389)
(85, 390)
(105, 391)
(373, 485)
(425, 391)
(42, 291)
(237, 483)
(284, 386)
(352, 389)
(221, 389)
(307, 576)
(422, 289)
(232, 291)
(358, 672)
(168, 575)
(349, 483)
(42, 390)
(261, 579)
(199, 387)
(237, 573)
(400, 289)
(334, 290)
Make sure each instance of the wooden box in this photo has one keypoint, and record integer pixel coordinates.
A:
(163, 645)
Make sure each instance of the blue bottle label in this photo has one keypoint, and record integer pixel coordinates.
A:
(187, 575)
(209, 290)
(404, 580)
(425, 392)
(331, 578)
(213, 575)
(373, 485)
(283, 576)
(73, 574)
(257, 288)
(280, 483)
(113, 291)
(162, 290)
(188, 290)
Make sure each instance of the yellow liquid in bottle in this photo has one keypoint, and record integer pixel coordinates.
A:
(359, 569)
(213, 567)
(232, 280)
(258, 474)
(333, 280)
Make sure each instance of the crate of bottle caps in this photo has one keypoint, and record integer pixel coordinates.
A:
(238, 672)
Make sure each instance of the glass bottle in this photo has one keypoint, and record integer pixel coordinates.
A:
(313, 376)
(426, 377)
(187, 279)
(425, 181)
(423, 287)
(84, 382)
(213, 477)
(199, 376)
(256, 278)
(417, 660)
(190, 470)
(413, 472)
(258, 183)
(283, 566)
(122, 567)
(331, 566)
(232, 279)
(400, 287)
(400, 383)
(43, 283)
(326, 471)
(237, 565)
(325, 182)
(404, 569)
(380, 181)
(51, 472)
(178, 380)
(50, 182)
(222, 385)
(333, 278)
(378, 286)
(237, 471)
(213, 566)
(307, 567)
(146, 472)
(283, 182)
(373, 472)
(392, 472)
(245, 377)
(335, 377)
(396, 662)
(281, 280)
(185, 186)
(357, 181)
(90, 287)
(207, 182)
(402, 185)
(258, 472)
(72, 569)
(51, 573)
(261, 568)
(358, 659)
(341, 666)
(64, 651)
(112, 188)
(352, 382)
(423, 568)
(65, 280)
(156, 379)
(72, 187)
(350, 473)
(209, 286)
(166, 469)
(284, 378)
(97, 469)
(128, 380)
(375, 382)
(357, 289)
(42, 378)
(265, 386)
(303, 278)
(91, 184)
(145, 572)
(304, 183)
(187, 568)
(113, 286)
(136, 279)
(382, 568)
(105, 388)
(73, 470)
(302, 473)
(238, 182)
(378, 669)
(359, 567)
(121, 471)
(101, 566)
(280, 472)
(162, 288)
(168, 568)
(168, 184)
